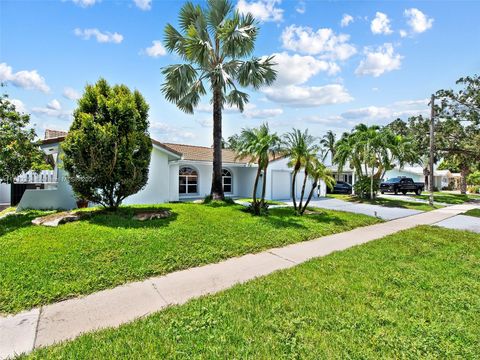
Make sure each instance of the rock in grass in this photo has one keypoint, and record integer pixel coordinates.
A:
(57, 219)
(150, 215)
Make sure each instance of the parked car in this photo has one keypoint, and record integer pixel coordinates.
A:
(401, 185)
(341, 187)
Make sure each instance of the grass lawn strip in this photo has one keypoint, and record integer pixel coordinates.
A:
(449, 198)
(414, 294)
(413, 205)
(269, 202)
(41, 265)
(473, 212)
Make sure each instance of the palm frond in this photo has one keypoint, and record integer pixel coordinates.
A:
(237, 98)
(257, 72)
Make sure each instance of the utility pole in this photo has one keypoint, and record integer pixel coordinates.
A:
(432, 144)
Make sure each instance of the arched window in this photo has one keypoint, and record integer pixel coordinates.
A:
(188, 181)
(227, 181)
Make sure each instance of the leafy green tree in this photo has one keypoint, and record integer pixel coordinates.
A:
(215, 43)
(299, 147)
(259, 145)
(458, 114)
(19, 150)
(107, 149)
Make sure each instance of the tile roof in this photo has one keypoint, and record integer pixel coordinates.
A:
(203, 153)
(52, 134)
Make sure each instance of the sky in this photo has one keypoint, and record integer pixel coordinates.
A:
(339, 63)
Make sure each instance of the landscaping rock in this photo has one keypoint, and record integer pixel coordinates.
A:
(150, 215)
(57, 219)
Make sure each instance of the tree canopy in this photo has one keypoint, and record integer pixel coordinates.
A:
(107, 149)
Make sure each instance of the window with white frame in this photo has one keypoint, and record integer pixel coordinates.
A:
(227, 181)
(187, 181)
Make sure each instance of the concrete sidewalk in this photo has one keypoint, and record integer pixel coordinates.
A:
(109, 308)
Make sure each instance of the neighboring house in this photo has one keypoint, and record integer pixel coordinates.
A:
(177, 172)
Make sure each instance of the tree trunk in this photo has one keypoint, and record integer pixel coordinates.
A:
(255, 185)
(294, 176)
(310, 195)
(217, 188)
(463, 179)
(303, 189)
(262, 201)
(371, 184)
(11, 192)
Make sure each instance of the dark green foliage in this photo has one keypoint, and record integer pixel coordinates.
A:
(19, 151)
(362, 187)
(107, 149)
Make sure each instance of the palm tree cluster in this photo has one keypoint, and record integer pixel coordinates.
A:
(371, 151)
(303, 152)
(215, 42)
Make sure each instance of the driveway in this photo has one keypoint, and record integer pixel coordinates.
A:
(461, 222)
(383, 212)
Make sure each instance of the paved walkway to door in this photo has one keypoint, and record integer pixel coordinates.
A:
(110, 308)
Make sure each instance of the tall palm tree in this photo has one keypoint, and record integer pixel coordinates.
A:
(329, 142)
(318, 172)
(298, 145)
(259, 145)
(214, 42)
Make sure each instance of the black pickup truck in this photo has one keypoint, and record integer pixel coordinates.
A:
(401, 185)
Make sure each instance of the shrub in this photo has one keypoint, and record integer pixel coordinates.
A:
(362, 187)
(474, 178)
(107, 149)
(475, 189)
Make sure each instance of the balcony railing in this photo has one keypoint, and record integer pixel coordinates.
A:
(42, 177)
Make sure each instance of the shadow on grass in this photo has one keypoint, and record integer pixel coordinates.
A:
(286, 218)
(17, 221)
(123, 218)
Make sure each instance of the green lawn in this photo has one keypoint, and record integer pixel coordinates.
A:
(270, 202)
(387, 202)
(413, 295)
(449, 198)
(7, 210)
(473, 212)
(41, 265)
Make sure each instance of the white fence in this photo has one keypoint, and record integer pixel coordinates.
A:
(42, 177)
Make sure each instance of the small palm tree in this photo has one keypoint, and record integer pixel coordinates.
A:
(328, 142)
(318, 172)
(214, 42)
(259, 145)
(298, 146)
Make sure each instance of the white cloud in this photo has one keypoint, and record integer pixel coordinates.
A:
(26, 79)
(205, 122)
(71, 93)
(208, 108)
(156, 50)
(53, 109)
(298, 69)
(262, 113)
(262, 10)
(417, 20)
(166, 132)
(346, 20)
(323, 42)
(378, 61)
(143, 4)
(399, 109)
(307, 96)
(102, 37)
(19, 105)
(85, 3)
(301, 7)
(381, 24)
(403, 33)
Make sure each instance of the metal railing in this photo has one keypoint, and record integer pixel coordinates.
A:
(42, 177)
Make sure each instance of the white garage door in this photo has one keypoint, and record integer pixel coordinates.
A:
(281, 185)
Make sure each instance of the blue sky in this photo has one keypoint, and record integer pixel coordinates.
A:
(383, 61)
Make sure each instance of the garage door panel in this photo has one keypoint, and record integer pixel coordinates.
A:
(281, 184)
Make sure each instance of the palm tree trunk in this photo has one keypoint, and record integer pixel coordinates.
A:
(262, 201)
(310, 195)
(303, 189)
(371, 183)
(255, 185)
(217, 188)
(295, 171)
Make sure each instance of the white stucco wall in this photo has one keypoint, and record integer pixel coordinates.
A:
(4, 193)
(61, 197)
(157, 188)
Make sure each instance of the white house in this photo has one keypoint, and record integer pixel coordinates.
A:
(178, 172)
